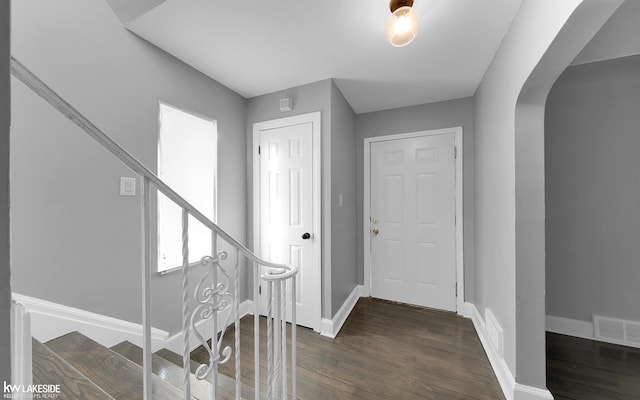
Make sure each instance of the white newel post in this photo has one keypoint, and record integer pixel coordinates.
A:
(147, 384)
(21, 355)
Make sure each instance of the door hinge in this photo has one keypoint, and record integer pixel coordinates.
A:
(258, 150)
(455, 152)
(260, 289)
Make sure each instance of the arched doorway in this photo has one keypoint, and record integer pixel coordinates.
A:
(583, 24)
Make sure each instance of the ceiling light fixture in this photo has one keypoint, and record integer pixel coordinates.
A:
(403, 23)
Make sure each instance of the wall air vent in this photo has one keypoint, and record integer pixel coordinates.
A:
(617, 331)
(494, 331)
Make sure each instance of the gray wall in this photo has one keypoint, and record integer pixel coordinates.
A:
(5, 259)
(495, 175)
(581, 26)
(509, 186)
(592, 137)
(445, 114)
(75, 240)
(344, 277)
(338, 177)
(306, 99)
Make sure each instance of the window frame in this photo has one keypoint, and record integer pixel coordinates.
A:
(164, 103)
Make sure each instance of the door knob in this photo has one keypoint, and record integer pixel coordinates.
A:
(306, 236)
(375, 231)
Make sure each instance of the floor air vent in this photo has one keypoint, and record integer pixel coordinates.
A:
(617, 331)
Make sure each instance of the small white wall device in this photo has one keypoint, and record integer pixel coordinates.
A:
(286, 104)
(127, 186)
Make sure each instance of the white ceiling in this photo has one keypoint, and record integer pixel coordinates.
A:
(261, 46)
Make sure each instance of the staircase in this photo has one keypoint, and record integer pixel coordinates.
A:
(86, 370)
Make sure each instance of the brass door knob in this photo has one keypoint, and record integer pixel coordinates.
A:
(375, 231)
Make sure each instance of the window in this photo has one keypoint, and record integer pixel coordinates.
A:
(187, 159)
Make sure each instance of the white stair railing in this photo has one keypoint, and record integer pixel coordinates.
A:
(213, 294)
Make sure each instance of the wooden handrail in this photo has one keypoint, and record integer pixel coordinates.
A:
(41, 89)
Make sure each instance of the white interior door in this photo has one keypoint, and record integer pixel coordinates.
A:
(286, 209)
(413, 221)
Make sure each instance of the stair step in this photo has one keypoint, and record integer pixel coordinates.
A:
(170, 369)
(223, 379)
(116, 375)
(49, 369)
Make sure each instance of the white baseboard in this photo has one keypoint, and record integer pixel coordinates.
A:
(510, 389)
(505, 378)
(51, 320)
(331, 327)
(571, 327)
(524, 392)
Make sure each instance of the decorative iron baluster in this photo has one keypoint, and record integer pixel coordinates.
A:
(256, 329)
(294, 302)
(276, 340)
(209, 301)
(236, 312)
(214, 336)
(283, 303)
(186, 350)
(269, 344)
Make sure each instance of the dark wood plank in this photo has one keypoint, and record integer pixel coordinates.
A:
(581, 369)
(49, 369)
(119, 377)
(171, 372)
(166, 370)
(384, 351)
(169, 355)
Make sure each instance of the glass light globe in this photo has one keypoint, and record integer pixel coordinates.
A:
(402, 26)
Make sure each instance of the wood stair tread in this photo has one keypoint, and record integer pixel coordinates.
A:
(170, 369)
(223, 379)
(167, 370)
(50, 369)
(116, 375)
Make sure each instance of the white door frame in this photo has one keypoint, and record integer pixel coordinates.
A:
(457, 131)
(314, 118)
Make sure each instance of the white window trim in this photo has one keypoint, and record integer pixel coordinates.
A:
(215, 183)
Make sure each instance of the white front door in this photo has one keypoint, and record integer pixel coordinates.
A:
(287, 232)
(413, 221)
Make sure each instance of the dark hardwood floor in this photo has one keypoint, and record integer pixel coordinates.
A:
(384, 351)
(580, 369)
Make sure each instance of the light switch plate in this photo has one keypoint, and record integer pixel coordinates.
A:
(127, 186)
